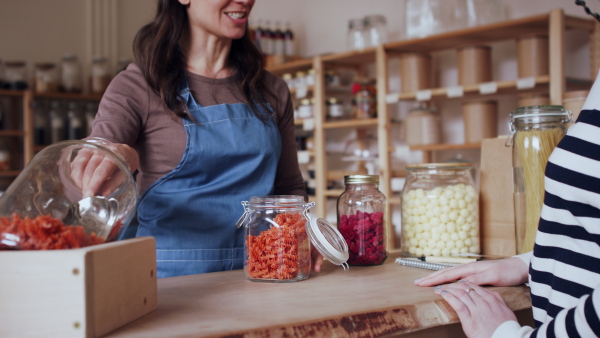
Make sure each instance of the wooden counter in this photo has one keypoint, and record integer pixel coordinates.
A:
(361, 302)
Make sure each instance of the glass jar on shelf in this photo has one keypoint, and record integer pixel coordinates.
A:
(376, 30)
(365, 99)
(41, 123)
(361, 220)
(289, 80)
(15, 75)
(357, 35)
(306, 109)
(335, 109)
(70, 74)
(57, 122)
(100, 74)
(440, 210)
(4, 155)
(535, 132)
(46, 78)
(279, 233)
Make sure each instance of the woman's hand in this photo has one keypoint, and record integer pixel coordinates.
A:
(317, 259)
(97, 174)
(501, 272)
(480, 311)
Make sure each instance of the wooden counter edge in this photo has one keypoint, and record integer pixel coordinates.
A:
(390, 321)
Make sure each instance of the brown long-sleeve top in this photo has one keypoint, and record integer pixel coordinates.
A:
(131, 113)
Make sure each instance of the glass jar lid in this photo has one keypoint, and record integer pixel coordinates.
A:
(539, 114)
(358, 179)
(328, 241)
(445, 165)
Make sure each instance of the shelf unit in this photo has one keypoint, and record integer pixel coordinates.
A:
(553, 24)
(21, 126)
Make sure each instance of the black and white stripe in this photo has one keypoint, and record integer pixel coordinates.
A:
(565, 267)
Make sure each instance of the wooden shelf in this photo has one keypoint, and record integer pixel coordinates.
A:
(394, 200)
(68, 96)
(540, 84)
(442, 147)
(291, 67)
(351, 58)
(10, 173)
(15, 93)
(333, 192)
(9, 133)
(350, 124)
(506, 30)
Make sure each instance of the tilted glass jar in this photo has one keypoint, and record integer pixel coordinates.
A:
(278, 238)
(46, 194)
(440, 210)
(535, 132)
(361, 220)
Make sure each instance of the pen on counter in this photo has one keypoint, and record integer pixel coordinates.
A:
(415, 263)
(450, 260)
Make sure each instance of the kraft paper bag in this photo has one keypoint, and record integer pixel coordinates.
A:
(497, 216)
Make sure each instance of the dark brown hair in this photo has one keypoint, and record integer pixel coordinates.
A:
(159, 55)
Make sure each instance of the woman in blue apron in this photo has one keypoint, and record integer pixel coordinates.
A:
(211, 129)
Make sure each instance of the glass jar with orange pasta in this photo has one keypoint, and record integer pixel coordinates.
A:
(278, 238)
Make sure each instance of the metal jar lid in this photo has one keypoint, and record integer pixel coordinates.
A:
(358, 179)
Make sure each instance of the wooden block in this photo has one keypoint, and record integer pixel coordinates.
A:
(496, 199)
(85, 292)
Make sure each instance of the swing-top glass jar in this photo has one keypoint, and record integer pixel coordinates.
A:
(535, 132)
(440, 210)
(45, 208)
(361, 220)
(278, 236)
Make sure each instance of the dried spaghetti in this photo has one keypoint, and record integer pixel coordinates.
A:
(43, 233)
(278, 253)
(534, 149)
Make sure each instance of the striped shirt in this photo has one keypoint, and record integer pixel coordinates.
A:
(564, 272)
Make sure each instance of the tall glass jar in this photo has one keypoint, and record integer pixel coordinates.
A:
(45, 79)
(357, 35)
(376, 30)
(278, 238)
(361, 220)
(100, 74)
(440, 210)
(70, 73)
(535, 132)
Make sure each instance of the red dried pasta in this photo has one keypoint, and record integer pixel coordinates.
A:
(43, 232)
(274, 253)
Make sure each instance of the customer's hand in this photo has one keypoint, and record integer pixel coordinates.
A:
(501, 272)
(95, 173)
(480, 311)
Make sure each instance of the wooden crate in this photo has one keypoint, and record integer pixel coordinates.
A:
(85, 292)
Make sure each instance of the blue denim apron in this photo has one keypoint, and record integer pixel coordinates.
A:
(230, 155)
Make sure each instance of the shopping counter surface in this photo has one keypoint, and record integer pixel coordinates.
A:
(365, 301)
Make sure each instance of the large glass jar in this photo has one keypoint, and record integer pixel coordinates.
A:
(357, 34)
(535, 131)
(361, 220)
(100, 74)
(376, 30)
(15, 75)
(278, 238)
(440, 210)
(45, 79)
(70, 73)
(45, 208)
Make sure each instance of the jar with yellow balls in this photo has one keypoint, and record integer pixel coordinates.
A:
(440, 211)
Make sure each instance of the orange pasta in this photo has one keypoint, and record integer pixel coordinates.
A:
(274, 253)
(42, 233)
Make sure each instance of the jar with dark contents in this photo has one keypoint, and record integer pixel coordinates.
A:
(361, 220)
(278, 234)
